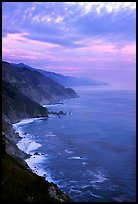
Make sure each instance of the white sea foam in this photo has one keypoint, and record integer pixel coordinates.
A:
(20, 132)
(85, 186)
(75, 158)
(25, 121)
(75, 190)
(95, 195)
(50, 134)
(49, 177)
(34, 161)
(51, 105)
(27, 145)
(68, 151)
(99, 177)
(84, 163)
(95, 185)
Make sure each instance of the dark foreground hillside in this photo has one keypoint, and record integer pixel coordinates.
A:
(21, 185)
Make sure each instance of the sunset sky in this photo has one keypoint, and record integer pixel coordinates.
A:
(93, 39)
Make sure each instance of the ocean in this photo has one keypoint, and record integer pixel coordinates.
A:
(90, 152)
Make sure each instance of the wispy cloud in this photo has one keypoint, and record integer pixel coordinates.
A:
(66, 36)
(66, 24)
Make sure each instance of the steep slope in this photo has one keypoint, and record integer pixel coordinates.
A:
(66, 81)
(27, 187)
(16, 106)
(34, 85)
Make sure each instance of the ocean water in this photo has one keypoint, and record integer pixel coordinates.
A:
(89, 152)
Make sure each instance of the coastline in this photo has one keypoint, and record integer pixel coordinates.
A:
(29, 146)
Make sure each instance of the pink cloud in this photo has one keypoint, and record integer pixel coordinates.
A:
(129, 49)
(96, 56)
(16, 47)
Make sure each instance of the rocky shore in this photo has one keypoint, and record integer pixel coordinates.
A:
(19, 183)
(28, 187)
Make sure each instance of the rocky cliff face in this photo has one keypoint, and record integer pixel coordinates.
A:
(34, 85)
(17, 106)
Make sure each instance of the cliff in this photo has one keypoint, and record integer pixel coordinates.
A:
(17, 106)
(21, 92)
(34, 85)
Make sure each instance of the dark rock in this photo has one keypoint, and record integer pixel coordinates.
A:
(36, 153)
(61, 113)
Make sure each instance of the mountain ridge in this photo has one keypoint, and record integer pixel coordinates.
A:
(66, 80)
(36, 86)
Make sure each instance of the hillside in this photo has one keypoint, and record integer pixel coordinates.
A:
(17, 106)
(27, 186)
(22, 90)
(66, 81)
(34, 85)
(72, 81)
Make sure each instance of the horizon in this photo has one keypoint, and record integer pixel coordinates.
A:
(95, 39)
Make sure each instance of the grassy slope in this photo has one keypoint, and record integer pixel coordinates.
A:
(21, 185)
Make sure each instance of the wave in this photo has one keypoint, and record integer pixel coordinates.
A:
(94, 195)
(50, 134)
(35, 162)
(75, 158)
(69, 151)
(85, 186)
(100, 177)
(75, 190)
(26, 144)
(25, 121)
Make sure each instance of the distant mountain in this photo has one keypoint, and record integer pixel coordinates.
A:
(66, 81)
(71, 81)
(34, 85)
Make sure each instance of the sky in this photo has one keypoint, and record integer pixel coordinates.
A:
(90, 39)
